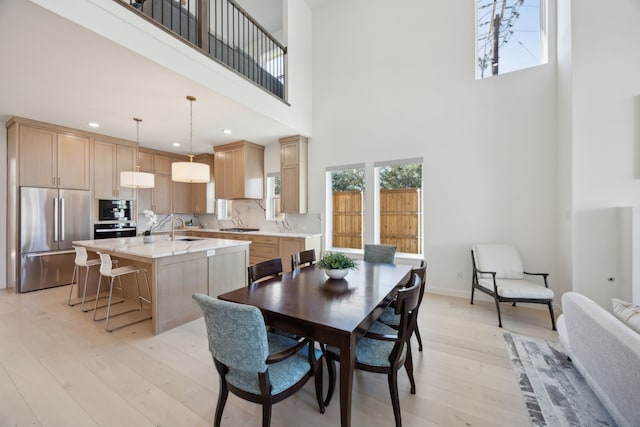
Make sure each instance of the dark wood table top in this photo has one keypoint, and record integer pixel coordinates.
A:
(305, 301)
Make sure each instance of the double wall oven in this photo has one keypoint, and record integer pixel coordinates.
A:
(115, 219)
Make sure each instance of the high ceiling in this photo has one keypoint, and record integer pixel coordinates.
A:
(56, 71)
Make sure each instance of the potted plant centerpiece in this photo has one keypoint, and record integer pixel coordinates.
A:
(336, 265)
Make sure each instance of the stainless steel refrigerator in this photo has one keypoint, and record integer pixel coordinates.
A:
(50, 219)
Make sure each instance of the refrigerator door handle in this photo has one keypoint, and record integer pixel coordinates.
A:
(55, 219)
(62, 219)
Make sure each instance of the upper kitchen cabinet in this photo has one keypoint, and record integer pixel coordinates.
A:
(51, 157)
(293, 174)
(181, 192)
(158, 198)
(108, 161)
(239, 170)
(203, 196)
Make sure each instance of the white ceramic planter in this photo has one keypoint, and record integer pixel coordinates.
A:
(337, 274)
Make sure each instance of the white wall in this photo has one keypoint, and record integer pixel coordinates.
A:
(605, 140)
(393, 82)
(3, 212)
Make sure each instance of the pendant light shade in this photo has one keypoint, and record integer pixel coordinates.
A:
(190, 171)
(137, 179)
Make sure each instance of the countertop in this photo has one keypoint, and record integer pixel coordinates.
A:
(256, 233)
(162, 247)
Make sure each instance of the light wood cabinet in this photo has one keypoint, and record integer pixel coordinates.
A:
(108, 161)
(293, 174)
(158, 198)
(239, 171)
(265, 247)
(52, 159)
(203, 198)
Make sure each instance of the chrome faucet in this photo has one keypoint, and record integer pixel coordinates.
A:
(173, 226)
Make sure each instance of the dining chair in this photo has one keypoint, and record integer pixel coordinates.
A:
(498, 271)
(264, 270)
(389, 316)
(107, 270)
(303, 258)
(254, 364)
(385, 350)
(379, 253)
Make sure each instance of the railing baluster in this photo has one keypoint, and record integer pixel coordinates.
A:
(239, 41)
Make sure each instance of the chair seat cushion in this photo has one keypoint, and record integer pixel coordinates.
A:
(282, 375)
(389, 317)
(373, 352)
(513, 288)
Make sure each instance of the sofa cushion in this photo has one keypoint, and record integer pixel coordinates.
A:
(502, 258)
(628, 313)
(510, 288)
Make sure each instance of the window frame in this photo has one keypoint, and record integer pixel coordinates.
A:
(329, 206)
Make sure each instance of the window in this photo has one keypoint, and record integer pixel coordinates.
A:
(345, 206)
(273, 197)
(398, 203)
(511, 35)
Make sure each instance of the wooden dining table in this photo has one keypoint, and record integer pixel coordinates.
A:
(335, 312)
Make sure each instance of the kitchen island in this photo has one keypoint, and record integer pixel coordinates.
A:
(178, 269)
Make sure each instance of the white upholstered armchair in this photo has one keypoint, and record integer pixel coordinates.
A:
(498, 271)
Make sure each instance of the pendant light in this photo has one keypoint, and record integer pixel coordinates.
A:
(137, 179)
(190, 171)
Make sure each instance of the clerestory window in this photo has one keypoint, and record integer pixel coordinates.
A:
(511, 35)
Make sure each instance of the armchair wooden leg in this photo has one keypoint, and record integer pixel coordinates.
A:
(498, 310)
(266, 414)
(408, 366)
(222, 400)
(395, 399)
(331, 369)
(419, 338)
(318, 379)
(553, 319)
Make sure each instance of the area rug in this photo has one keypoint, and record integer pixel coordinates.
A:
(554, 392)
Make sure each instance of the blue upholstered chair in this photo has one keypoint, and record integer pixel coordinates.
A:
(384, 350)
(379, 253)
(254, 364)
(389, 316)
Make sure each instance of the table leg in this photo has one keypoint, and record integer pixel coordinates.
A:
(347, 366)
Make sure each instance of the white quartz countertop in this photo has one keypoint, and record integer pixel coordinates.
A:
(163, 246)
(257, 233)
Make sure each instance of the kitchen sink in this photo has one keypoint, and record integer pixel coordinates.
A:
(240, 229)
(187, 239)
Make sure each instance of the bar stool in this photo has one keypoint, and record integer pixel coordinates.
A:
(107, 270)
(82, 260)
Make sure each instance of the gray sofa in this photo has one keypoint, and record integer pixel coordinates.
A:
(607, 354)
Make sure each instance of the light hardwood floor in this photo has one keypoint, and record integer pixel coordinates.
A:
(59, 368)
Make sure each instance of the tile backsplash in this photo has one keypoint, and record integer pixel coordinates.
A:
(246, 213)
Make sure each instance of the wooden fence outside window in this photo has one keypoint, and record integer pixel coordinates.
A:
(400, 219)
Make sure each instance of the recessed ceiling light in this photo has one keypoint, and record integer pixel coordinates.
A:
(227, 131)
(176, 144)
(94, 124)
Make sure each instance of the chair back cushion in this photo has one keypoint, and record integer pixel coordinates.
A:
(379, 253)
(237, 333)
(504, 259)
